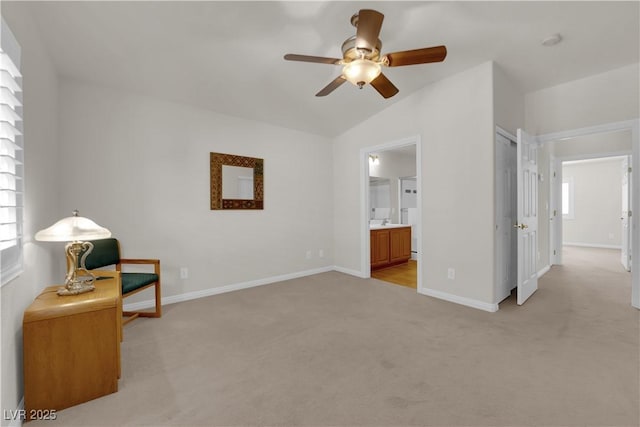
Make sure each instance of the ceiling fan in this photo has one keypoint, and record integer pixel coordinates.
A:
(361, 59)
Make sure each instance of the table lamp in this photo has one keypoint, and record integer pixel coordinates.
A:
(75, 230)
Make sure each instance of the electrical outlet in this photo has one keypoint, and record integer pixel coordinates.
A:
(451, 273)
(184, 273)
(321, 253)
(308, 254)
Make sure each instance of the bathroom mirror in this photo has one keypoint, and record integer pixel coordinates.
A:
(237, 182)
(379, 198)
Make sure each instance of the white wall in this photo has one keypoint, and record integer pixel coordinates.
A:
(508, 102)
(593, 145)
(41, 197)
(597, 186)
(454, 118)
(144, 165)
(603, 98)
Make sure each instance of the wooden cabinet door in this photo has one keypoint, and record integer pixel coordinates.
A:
(406, 242)
(379, 247)
(400, 242)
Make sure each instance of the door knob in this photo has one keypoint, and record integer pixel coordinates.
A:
(520, 226)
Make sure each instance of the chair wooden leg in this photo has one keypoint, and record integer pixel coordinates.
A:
(142, 313)
(129, 317)
(157, 313)
(158, 300)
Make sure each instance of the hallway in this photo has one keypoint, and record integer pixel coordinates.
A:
(589, 279)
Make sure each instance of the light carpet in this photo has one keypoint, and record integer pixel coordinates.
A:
(336, 350)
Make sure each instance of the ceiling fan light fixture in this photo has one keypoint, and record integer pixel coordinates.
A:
(361, 71)
(362, 61)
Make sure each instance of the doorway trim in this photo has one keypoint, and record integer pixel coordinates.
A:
(365, 244)
(634, 127)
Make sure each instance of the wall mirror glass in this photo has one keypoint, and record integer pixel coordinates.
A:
(379, 198)
(237, 182)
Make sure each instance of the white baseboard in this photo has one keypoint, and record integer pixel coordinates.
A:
(349, 271)
(591, 245)
(18, 420)
(460, 300)
(543, 271)
(504, 296)
(251, 284)
(223, 289)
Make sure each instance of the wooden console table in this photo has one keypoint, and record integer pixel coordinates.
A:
(71, 346)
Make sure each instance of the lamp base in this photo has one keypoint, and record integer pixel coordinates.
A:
(79, 280)
(80, 289)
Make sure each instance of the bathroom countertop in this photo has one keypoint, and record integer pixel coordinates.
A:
(381, 227)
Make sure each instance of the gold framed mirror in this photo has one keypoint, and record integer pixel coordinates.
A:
(237, 182)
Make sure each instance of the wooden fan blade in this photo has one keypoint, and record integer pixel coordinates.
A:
(307, 58)
(332, 86)
(384, 86)
(417, 56)
(368, 29)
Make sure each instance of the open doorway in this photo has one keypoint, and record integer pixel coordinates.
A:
(595, 205)
(591, 194)
(392, 212)
(595, 216)
(590, 204)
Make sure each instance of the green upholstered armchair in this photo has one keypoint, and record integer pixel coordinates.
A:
(106, 252)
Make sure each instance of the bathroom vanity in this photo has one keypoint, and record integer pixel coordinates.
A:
(390, 245)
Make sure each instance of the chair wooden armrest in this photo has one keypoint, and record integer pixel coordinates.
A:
(139, 261)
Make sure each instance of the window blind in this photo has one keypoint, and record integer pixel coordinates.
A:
(11, 168)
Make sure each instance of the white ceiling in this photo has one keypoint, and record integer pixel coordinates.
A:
(227, 56)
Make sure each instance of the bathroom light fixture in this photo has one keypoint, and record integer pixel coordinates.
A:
(374, 160)
(361, 71)
(75, 230)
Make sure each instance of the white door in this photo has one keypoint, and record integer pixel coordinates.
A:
(506, 250)
(624, 217)
(527, 224)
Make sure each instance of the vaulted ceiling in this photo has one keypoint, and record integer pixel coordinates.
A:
(228, 56)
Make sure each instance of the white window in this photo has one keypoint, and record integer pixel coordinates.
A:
(567, 198)
(11, 157)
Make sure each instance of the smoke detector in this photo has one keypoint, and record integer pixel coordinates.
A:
(552, 40)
